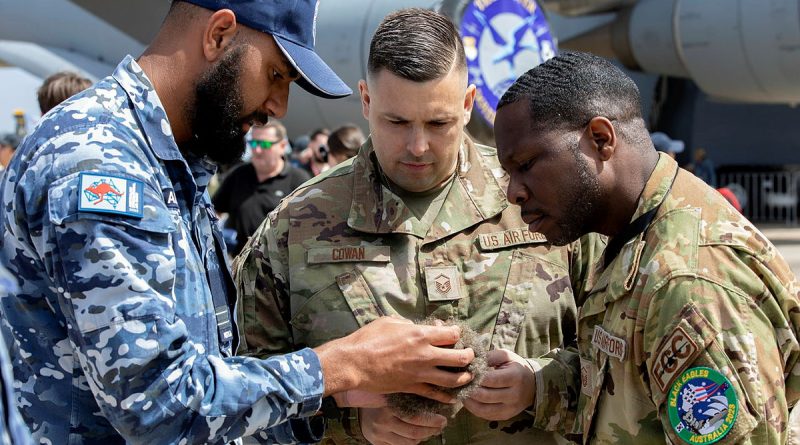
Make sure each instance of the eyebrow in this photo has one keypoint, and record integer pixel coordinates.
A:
(441, 118)
(287, 67)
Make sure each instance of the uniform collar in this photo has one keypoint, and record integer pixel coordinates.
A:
(148, 108)
(474, 197)
(657, 186)
(619, 277)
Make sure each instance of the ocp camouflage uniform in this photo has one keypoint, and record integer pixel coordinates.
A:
(113, 331)
(690, 335)
(343, 250)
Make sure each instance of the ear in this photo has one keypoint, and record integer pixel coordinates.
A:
(469, 102)
(218, 34)
(603, 137)
(363, 91)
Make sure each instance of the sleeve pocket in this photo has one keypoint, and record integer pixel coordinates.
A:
(112, 268)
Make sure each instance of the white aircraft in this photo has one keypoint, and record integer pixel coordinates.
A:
(734, 50)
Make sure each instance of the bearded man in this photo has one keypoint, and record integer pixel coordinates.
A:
(120, 331)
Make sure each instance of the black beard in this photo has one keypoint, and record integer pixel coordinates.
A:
(217, 121)
(581, 204)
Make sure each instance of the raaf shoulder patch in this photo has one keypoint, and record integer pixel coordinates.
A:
(702, 406)
(110, 194)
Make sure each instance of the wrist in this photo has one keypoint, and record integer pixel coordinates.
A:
(338, 373)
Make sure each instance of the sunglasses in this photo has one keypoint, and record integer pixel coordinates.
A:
(261, 143)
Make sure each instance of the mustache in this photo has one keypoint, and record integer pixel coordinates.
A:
(257, 118)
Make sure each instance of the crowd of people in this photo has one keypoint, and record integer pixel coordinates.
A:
(621, 298)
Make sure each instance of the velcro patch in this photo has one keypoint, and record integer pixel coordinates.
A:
(690, 336)
(349, 254)
(673, 354)
(588, 375)
(513, 237)
(110, 194)
(611, 345)
(443, 283)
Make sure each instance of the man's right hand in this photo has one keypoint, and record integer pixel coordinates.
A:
(381, 426)
(394, 355)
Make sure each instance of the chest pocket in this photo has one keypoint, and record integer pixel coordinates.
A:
(342, 306)
(537, 310)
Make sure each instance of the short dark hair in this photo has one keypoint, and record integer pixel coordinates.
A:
(318, 132)
(60, 87)
(567, 91)
(416, 44)
(345, 141)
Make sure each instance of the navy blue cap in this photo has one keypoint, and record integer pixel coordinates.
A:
(293, 24)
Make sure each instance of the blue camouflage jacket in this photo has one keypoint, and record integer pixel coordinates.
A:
(13, 430)
(113, 333)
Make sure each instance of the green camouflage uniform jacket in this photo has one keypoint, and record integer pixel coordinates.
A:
(343, 250)
(690, 335)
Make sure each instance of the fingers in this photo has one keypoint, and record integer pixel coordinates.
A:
(497, 357)
(383, 426)
(489, 396)
(419, 427)
(441, 335)
(455, 358)
(503, 377)
(489, 411)
(447, 379)
(431, 392)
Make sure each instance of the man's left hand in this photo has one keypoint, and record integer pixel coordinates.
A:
(506, 390)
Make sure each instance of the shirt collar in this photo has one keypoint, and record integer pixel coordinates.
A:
(148, 108)
(657, 186)
(376, 209)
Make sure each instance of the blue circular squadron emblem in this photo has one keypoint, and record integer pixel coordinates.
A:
(503, 39)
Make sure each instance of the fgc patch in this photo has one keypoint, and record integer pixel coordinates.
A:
(702, 406)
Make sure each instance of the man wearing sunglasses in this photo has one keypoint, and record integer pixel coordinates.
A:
(251, 191)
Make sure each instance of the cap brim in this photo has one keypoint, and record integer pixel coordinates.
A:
(316, 77)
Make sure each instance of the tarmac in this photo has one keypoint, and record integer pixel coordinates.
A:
(787, 240)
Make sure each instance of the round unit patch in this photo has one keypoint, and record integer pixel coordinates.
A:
(702, 406)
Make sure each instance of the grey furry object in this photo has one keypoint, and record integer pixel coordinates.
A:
(408, 405)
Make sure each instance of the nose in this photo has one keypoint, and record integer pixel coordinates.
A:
(418, 143)
(278, 101)
(517, 193)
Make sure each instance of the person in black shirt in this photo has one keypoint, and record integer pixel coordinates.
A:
(252, 190)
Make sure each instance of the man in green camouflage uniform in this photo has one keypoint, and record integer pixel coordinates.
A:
(416, 225)
(690, 333)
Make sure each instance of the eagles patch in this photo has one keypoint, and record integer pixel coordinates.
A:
(702, 406)
(110, 194)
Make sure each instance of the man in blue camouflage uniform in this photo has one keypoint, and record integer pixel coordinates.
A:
(13, 430)
(120, 331)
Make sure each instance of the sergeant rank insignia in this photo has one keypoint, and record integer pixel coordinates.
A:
(702, 406)
(110, 194)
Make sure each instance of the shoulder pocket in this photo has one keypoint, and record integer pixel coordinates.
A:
(113, 267)
(64, 206)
